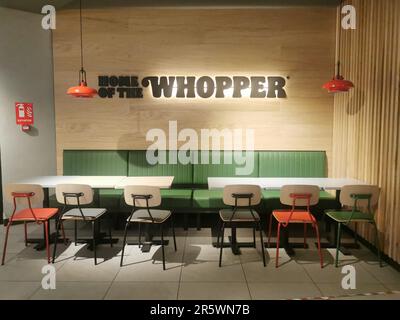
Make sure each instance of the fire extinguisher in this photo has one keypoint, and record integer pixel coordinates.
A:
(21, 111)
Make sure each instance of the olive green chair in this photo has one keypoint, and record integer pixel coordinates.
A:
(358, 204)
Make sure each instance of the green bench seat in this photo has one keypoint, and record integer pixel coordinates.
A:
(138, 166)
(193, 176)
(295, 164)
(208, 199)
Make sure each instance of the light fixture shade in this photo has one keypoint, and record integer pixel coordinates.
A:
(338, 84)
(82, 91)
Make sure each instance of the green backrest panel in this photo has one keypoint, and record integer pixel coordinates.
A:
(202, 171)
(95, 162)
(299, 164)
(139, 166)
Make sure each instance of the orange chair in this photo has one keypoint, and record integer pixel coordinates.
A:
(30, 195)
(296, 196)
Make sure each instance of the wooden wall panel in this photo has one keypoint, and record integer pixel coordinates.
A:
(367, 119)
(295, 42)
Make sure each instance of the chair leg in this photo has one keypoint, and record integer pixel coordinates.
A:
(63, 232)
(162, 246)
(109, 230)
(305, 235)
(75, 232)
(26, 234)
(338, 244)
(140, 234)
(355, 233)
(269, 229)
(94, 242)
(123, 243)
(254, 237)
(262, 244)
(278, 234)
(5, 243)
(173, 232)
(319, 246)
(185, 221)
(222, 243)
(219, 234)
(377, 244)
(198, 222)
(46, 232)
(55, 242)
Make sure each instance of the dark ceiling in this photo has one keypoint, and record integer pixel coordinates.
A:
(36, 5)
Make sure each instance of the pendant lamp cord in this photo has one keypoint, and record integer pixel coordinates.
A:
(339, 31)
(80, 14)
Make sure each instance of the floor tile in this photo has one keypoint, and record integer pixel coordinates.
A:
(288, 270)
(85, 270)
(143, 291)
(74, 291)
(331, 274)
(210, 271)
(13, 290)
(138, 266)
(392, 286)
(336, 290)
(385, 274)
(20, 269)
(213, 291)
(280, 290)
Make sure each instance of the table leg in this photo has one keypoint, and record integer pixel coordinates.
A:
(149, 241)
(233, 243)
(286, 244)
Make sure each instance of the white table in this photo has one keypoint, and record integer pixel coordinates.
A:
(96, 182)
(277, 183)
(163, 182)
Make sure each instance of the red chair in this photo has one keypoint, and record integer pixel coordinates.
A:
(296, 196)
(29, 197)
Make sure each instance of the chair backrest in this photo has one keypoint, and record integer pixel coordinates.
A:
(240, 190)
(153, 195)
(36, 199)
(347, 195)
(289, 192)
(86, 190)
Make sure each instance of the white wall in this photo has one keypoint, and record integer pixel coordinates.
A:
(26, 75)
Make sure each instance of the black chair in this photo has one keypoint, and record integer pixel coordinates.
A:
(77, 195)
(243, 199)
(143, 199)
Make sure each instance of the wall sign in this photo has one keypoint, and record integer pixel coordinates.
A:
(24, 115)
(192, 87)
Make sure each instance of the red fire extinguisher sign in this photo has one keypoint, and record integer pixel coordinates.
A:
(24, 113)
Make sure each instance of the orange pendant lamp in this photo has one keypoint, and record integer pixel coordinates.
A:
(338, 83)
(82, 90)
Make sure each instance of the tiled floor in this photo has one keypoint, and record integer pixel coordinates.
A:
(192, 272)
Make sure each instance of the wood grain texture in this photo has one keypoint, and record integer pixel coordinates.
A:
(367, 119)
(295, 42)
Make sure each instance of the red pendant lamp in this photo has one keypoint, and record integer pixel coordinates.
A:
(82, 90)
(338, 83)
